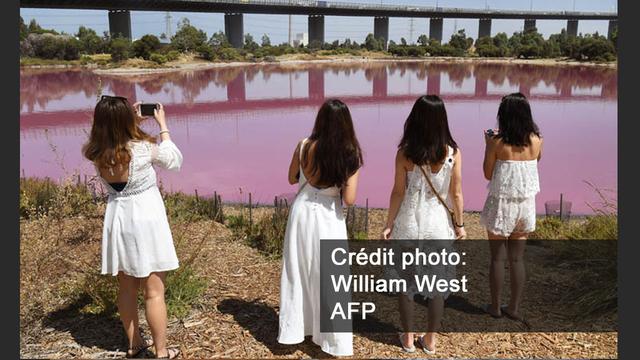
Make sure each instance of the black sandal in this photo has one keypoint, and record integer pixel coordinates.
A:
(139, 352)
(171, 354)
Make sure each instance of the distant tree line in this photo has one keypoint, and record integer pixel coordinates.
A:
(48, 44)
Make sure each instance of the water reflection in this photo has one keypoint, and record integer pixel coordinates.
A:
(255, 114)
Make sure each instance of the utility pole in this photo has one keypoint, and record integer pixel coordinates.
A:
(290, 38)
(167, 18)
(411, 25)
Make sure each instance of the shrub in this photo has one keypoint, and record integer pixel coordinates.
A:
(158, 58)
(145, 46)
(50, 46)
(41, 197)
(206, 52)
(228, 54)
(120, 49)
(182, 207)
(268, 234)
(184, 289)
(172, 55)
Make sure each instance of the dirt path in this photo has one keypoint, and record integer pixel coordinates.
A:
(237, 318)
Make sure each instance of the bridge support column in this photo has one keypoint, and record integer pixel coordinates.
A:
(381, 29)
(435, 29)
(484, 28)
(572, 27)
(565, 90)
(316, 84)
(525, 89)
(529, 24)
(433, 83)
(236, 91)
(234, 29)
(380, 83)
(120, 23)
(613, 26)
(316, 30)
(124, 88)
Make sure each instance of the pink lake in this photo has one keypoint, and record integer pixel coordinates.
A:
(237, 126)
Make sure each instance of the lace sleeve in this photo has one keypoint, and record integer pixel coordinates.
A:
(167, 155)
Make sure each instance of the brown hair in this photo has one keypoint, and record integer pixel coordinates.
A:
(115, 123)
(337, 153)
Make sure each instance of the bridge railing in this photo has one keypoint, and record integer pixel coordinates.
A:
(417, 9)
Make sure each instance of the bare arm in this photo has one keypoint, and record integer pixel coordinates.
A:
(397, 193)
(294, 166)
(540, 152)
(490, 156)
(455, 192)
(349, 190)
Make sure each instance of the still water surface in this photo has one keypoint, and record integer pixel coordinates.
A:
(237, 126)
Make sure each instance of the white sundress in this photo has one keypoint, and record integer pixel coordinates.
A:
(511, 203)
(422, 217)
(136, 238)
(315, 214)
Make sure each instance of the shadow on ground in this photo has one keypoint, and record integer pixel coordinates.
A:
(89, 330)
(261, 320)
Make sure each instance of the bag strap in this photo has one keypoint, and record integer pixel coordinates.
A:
(300, 167)
(435, 192)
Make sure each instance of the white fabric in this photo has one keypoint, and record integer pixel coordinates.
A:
(422, 217)
(136, 238)
(510, 206)
(315, 214)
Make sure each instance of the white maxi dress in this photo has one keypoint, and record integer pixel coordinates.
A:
(136, 238)
(315, 214)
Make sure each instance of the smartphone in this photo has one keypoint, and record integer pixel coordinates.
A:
(147, 109)
(490, 132)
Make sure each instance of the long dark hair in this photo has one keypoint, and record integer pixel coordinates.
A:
(337, 153)
(115, 123)
(426, 132)
(515, 121)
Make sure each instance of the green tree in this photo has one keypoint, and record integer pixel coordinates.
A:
(371, 43)
(403, 41)
(219, 39)
(423, 40)
(249, 43)
(119, 48)
(91, 42)
(145, 46)
(188, 37)
(265, 41)
(24, 29)
(460, 41)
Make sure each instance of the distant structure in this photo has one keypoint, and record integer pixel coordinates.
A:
(301, 39)
(168, 32)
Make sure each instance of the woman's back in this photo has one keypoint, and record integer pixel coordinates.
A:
(518, 153)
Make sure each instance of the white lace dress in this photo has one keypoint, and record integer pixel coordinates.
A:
(422, 217)
(136, 238)
(315, 214)
(511, 203)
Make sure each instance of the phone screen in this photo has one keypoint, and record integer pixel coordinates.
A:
(147, 109)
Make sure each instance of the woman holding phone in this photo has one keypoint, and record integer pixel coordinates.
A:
(511, 165)
(137, 245)
(326, 167)
(426, 202)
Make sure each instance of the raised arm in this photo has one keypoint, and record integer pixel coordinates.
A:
(490, 156)
(167, 154)
(349, 190)
(294, 166)
(455, 192)
(397, 193)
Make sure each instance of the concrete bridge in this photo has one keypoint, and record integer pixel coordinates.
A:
(316, 10)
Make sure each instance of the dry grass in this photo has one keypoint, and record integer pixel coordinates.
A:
(236, 314)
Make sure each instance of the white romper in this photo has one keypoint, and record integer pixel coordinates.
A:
(511, 203)
(315, 214)
(136, 238)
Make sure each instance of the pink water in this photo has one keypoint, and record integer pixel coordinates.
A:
(237, 127)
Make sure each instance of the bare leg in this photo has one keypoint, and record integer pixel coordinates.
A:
(496, 270)
(156, 311)
(515, 250)
(435, 312)
(406, 317)
(128, 308)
